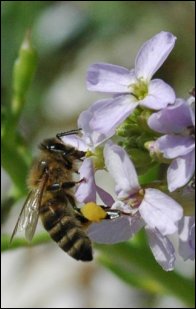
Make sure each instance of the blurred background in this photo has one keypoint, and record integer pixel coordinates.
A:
(70, 36)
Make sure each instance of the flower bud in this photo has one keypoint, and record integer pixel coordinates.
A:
(24, 68)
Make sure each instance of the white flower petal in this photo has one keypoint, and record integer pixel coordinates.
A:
(105, 196)
(122, 170)
(86, 192)
(153, 53)
(162, 249)
(159, 95)
(101, 119)
(109, 78)
(114, 231)
(120, 205)
(75, 141)
(173, 119)
(173, 146)
(180, 171)
(160, 211)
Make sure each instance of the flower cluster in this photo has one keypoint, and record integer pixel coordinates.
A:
(143, 127)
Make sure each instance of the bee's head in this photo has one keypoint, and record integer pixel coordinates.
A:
(52, 145)
(55, 146)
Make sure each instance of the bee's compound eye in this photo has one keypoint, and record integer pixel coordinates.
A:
(51, 147)
(57, 148)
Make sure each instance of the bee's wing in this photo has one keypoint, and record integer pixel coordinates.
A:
(29, 214)
(28, 217)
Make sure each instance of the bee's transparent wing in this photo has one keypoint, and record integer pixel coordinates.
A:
(31, 214)
(28, 217)
(27, 220)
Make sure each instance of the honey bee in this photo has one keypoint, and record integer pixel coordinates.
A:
(51, 183)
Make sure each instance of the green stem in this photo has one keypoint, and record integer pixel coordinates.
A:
(21, 242)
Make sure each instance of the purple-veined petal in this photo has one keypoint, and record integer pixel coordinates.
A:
(159, 95)
(122, 170)
(75, 141)
(172, 119)
(153, 53)
(105, 77)
(174, 146)
(162, 249)
(187, 238)
(86, 191)
(114, 231)
(101, 119)
(180, 171)
(105, 196)
(160, 211)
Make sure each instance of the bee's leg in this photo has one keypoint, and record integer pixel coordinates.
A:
(111, 213)
(67, 163)
(64, 185)
(80, 217)
(71, 184)
(68, 184)
(54, 187)
(71, 199)
(58, 186)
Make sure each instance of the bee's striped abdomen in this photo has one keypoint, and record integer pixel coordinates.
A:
(66, 230)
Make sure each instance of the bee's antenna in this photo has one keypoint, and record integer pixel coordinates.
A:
(75, 131)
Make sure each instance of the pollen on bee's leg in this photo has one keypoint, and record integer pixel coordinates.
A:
(93, 212)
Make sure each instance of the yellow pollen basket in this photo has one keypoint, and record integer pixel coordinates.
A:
(93, 212)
